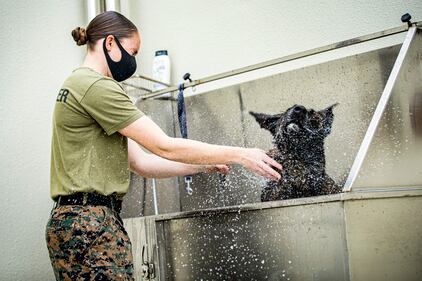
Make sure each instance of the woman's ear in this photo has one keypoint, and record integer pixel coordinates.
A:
(266, 121)
(109, 42)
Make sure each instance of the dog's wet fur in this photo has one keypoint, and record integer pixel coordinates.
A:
(298, 137)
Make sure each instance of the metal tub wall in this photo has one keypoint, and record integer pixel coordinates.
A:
(384, 236)
(222, 117)
(269, 244)
(216, 117)
(357, 237)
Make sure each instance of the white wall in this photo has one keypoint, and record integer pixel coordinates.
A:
(37, 53)
(210, 37)
(203, 37)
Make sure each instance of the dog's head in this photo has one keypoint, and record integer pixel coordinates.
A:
(297, 125)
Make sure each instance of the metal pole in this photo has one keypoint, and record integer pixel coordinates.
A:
(303, 54)
(144, 78)
(137, 87)
(150, 79)
(154, 195)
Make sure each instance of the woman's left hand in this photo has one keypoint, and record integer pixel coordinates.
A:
(222, 169)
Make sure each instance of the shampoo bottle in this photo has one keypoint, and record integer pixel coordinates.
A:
(161, 69)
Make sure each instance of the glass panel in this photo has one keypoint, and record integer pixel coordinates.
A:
(394, 158)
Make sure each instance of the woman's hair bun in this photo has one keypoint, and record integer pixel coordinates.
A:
(79, 35)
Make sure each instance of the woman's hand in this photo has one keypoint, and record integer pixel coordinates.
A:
(210, 169)
(257, 161)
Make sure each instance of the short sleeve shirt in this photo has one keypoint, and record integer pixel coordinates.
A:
(88, 154)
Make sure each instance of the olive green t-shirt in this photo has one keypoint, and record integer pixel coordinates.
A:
(88, 154)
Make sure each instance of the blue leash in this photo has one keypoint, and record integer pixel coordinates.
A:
(181, 114)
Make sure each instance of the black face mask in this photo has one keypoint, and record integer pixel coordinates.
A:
(123, 69)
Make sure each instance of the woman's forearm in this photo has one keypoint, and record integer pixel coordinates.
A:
(196, 152)
(145, 132)
(152, 166)
(157, 167)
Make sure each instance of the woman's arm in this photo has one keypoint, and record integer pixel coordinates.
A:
(152, 166)
(148, 134)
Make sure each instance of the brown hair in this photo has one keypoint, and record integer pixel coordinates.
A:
(107, 23)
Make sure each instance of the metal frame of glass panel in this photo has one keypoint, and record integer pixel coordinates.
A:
(390, 87)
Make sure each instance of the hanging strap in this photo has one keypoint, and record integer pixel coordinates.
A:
(181, 114)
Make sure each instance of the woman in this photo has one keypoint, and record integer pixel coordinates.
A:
(96, 136)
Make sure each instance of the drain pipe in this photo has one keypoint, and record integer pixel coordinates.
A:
(112, 5)
(95, 7)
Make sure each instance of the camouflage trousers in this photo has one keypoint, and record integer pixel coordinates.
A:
(88, 243)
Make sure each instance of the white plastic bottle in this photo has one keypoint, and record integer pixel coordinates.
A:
(161, 69)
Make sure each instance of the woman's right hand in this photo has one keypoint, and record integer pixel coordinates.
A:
(257, 161)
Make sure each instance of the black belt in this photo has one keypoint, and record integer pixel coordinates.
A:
(91, 199)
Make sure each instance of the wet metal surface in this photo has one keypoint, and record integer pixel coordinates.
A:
(222, 117)
(271, 244)
(354, 236)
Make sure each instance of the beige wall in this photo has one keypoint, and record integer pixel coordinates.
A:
(37, 53)
(210, 37)
(203, 37)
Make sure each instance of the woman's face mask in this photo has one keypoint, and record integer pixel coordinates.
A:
(123, 69)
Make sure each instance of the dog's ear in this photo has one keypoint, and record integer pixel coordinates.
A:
(328, 118)
(266, 121)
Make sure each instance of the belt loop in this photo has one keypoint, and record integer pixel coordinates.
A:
(85, 199)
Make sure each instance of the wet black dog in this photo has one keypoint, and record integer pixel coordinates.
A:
(298, 137)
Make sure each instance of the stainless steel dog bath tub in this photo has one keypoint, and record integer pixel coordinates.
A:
(352, 236)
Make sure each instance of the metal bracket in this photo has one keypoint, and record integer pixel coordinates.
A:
(144, 266)
(148, 268)
(188, 181)
(187, 77)
(406, 18)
